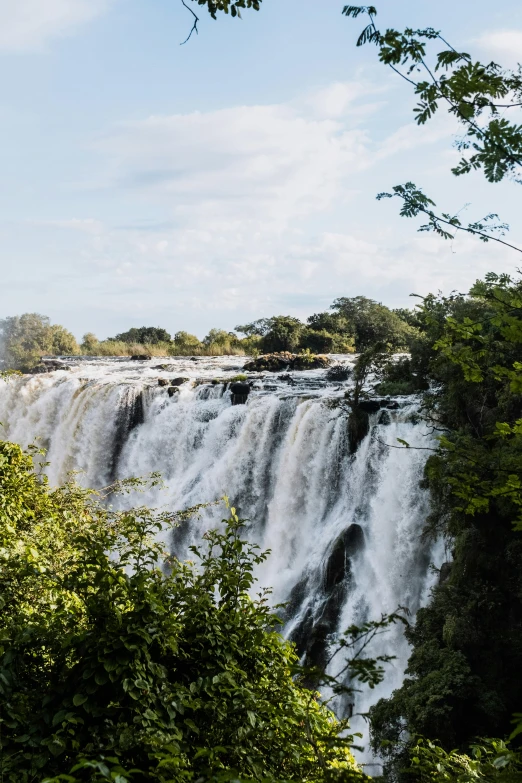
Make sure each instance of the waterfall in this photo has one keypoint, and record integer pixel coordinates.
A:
(344, 530)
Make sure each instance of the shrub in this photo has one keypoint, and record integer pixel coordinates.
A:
(120, 663)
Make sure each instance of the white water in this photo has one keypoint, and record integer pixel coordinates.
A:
(283, 459)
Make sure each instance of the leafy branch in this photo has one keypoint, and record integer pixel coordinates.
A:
(415, 202)
(469, 89)
(214, 6)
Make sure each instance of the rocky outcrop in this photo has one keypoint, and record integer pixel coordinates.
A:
(239, 392)
(140, 357)
(346, 546)
(311, 636)
(179, 381)
(445, 572)
(276, 362)
(359, 418)
(163, 381)
(47, 365)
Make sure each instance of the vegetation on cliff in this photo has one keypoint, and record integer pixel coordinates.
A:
(119, 662)
(354, 324)
(463, 678)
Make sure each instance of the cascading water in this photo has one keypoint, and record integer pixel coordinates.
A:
(345, 530)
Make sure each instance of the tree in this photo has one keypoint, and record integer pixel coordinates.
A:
(373, 323)
(279, 333)
(89, 342)
(220, 337)
(259, 327)
(25, 338)
(144, 335)
(62, 341)
(184, 343)
(462, 679)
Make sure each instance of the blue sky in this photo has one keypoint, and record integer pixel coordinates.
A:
(232, 178)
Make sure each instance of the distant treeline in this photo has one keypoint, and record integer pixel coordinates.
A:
(350, 325)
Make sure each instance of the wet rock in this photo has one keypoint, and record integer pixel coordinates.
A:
(384, 417)
(445, 572)
(47, 365)
(288, 378)
(179, 381)
(358, 428)
(346, 546)
(163, 381)
(369, 406)
(140, 357)
(240, 387)
(39, 368)
(321, 619)
(239, 392)
(275, 362)
(296, 598)
(131, 414)
(172, 390)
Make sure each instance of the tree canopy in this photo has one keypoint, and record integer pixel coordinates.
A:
(25, 338)
(119, 662)
(145, 335)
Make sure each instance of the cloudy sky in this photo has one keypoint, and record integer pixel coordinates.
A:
(234, 177)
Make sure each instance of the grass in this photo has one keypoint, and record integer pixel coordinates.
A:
(119, 348)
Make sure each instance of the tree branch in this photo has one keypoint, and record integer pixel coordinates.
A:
(194, 26)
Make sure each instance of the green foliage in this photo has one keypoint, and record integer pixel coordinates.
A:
(478, 95)
(215, 6)
(229, 6)
(373, 324)
(221, 341)
(184, 343)
(488, 760)
(89, 343)
(118, 662)
(398, 377)
(279, 333)
(415, 202)
(144, 334)
(25, 338)
(462, 679)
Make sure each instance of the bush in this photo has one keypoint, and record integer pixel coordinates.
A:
(144, 335)
(397, 377)
(117, 348)
(325, 342)
(122, 663)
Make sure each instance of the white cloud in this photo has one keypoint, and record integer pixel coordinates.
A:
(242, 169)
(30, 24)
(252, 210)
(504, 46)
(250, 163)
